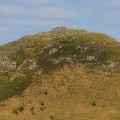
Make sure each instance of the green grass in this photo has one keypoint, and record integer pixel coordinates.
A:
(10, 88)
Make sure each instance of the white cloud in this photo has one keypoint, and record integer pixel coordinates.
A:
(105, 2)
(25, 16)
(39, 11)
(31, 1)
(31, 22)
(37, 1)
(3, 29)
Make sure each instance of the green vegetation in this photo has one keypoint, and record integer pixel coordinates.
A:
(49, 51)
(19, 56)
(9, 88)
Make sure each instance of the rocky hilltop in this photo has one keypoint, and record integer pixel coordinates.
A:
(40, 73)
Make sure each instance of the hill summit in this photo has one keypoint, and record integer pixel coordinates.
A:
(49, 69)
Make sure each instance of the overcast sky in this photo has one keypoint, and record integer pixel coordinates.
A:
(22, 17)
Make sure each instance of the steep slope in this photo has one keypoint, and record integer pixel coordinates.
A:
(50, 69)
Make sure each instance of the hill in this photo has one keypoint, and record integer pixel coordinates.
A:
(40, 74)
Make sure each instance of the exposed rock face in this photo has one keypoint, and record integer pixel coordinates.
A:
(6, 64)
(28, 64)
(90, 58)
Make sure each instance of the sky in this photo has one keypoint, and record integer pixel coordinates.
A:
(22, 17)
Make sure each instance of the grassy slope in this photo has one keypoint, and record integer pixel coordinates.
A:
(72, 94)
(88, 85)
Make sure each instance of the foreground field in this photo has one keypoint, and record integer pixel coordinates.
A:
(69, 93)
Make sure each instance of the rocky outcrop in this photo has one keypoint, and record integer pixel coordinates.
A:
(6, 64)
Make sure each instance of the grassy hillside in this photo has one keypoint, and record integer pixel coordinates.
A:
(45, 71)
